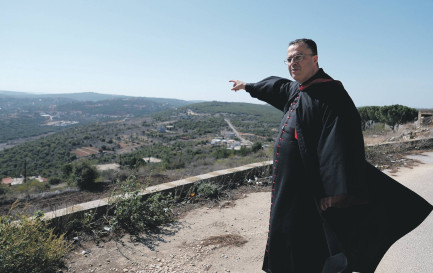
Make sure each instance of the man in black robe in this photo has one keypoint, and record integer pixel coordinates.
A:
(330, 209)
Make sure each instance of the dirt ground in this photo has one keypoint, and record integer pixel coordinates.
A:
(206, 239)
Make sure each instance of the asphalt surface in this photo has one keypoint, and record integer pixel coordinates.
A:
(414, 252)
(243, 140)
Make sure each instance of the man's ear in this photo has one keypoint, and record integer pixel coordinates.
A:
(316, 59)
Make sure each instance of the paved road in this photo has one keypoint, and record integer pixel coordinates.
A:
(243, 140)
(414, 252)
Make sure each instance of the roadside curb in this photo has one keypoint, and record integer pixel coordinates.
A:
(178, 187)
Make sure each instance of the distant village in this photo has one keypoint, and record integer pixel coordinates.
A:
(10, 181)
(228, 140)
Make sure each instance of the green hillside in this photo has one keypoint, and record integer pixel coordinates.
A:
(186, 137)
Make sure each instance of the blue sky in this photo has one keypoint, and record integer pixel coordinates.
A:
(380, 50)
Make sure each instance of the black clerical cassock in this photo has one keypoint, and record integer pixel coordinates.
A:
(319, 157)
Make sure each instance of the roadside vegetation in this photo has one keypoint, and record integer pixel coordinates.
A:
(29, 245)
(32, 244)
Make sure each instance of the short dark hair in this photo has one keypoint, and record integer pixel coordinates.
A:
(308, 42)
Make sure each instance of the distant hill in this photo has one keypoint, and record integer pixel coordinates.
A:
(84, 96)
(24, 115)
(265, 112)
(13, 100)
(128, 106)
(4, 93)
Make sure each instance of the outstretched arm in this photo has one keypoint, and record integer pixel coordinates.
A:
(273, 90)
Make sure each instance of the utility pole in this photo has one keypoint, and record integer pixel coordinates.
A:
(25, 170)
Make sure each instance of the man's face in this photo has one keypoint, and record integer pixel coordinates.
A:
(304, 69)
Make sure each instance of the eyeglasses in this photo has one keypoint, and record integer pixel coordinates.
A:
(295, 59)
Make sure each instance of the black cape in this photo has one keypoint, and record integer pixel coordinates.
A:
(370, 210)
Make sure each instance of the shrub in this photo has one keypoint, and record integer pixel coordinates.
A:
(133, 214)
(3, 189)
(84, 174)
(54, 181)
(222, 153)
(66, 170)
(29, 245)
(257, 146)
(207, 190)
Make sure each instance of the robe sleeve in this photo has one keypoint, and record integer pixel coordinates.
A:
(273, 90)
(340, 152)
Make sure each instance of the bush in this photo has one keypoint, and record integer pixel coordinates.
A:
(133, 214)
(257, 146)
(29, 246)
(54, 181)
(3, 189)
(84, 174)
(66, 170)
(222, 153)
(207, 190)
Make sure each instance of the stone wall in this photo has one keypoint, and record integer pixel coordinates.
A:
(404, 146)
(227, 178)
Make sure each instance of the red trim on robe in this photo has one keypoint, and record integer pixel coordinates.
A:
(319, 80)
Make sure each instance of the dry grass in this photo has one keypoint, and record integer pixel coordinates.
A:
(224, 240)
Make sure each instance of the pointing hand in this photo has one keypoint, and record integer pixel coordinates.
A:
(238, 85)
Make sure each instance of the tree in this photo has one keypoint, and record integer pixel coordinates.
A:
(257, 146)
(369, 114)
(67, 170)
(396, 114)
(54, 180)
(244, 151)
(3, 189)
(84, 174)
(222, 153)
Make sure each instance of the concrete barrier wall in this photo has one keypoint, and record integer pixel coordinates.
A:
(225, 177)
(404, 146)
